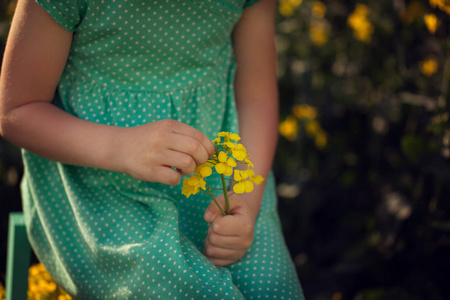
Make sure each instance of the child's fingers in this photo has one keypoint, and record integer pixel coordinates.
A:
(229, 242)
(212, 251)
(232, 225)
(181, 161)
(189, 145)
(167, 175)
(213, 211)
(184, 129)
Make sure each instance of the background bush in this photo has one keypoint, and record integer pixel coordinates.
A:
(362, 165)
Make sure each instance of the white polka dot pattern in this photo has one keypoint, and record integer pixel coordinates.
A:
(105, 235)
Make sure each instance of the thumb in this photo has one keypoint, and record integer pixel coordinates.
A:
(213, 211)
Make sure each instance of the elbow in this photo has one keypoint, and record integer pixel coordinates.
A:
(3, 120)
(4, 125)
(6, 122)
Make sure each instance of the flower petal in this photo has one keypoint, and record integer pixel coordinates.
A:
(228, 171)
(237, 175)
(222, 156)
(258, 179)
(248, 186)
(239, 188)
(231, 162)
(220, 168)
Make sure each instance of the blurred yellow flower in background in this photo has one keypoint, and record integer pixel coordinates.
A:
(2, 292)
(303, 111)
(289, 128)
(319, 9)
(413, 10)
(321, 139)
(443, 5)
(307, 116)
(312, 128)
(41, 285)
(287, 8)
(319, 32)
(11, 8)
(431, 21)
(362, 28)
(429, 65)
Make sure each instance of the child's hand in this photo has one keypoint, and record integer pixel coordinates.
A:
(229, 236)
(162, 151)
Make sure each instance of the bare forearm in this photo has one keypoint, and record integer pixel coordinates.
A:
(44, 129)
(258, 130)
(257, 104)
(256, 88)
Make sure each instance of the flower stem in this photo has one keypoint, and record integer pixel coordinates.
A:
(215, 201)
(225, 194)
(223, 213)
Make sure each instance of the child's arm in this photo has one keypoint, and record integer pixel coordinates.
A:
(257, 103)
(256, 89)
(34, 59)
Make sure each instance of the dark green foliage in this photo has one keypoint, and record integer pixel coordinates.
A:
(367, 217)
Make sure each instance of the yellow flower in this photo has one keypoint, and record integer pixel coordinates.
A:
(431, 21)
(11, 8)
(238, 151)
(34, 270)
(204, 170)
(248, 162)
(312, 128)
(429, 66)
(226, 164)
(321, 139)
(295, 3)
(319, 9)
(192, 185)
(64, 296)
(443, 5)
(242, 184)
(362, 28)
(289, 128)
(245, 180)
(287, 7)
(229, 136)
(413, 10)
(2, 291)
(304, 111)
(255, 179)
(318, 32)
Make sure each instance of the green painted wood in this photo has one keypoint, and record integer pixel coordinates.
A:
(18, 258)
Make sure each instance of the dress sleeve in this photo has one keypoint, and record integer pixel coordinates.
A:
(249, 3)
(67, 13)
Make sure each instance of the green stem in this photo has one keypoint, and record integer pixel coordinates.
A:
(225, 194)
(215, 201)
(223, 213)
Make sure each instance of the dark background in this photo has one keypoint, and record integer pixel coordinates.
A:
(364, 185)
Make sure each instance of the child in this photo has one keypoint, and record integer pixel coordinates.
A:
(141, 88)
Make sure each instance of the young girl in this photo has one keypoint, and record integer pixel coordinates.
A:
(113, 101)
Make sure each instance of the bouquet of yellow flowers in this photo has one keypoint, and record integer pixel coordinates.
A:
(228, 153)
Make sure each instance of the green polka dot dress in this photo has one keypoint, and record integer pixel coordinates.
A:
(106, 235)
